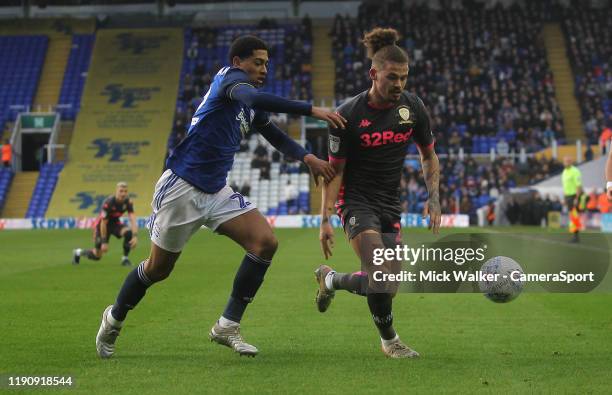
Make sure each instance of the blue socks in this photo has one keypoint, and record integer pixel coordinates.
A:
(248, 279)
(133, 290)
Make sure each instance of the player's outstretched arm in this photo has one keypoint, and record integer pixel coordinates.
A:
(263, 101)
(609, 176)
(431, 173)
(330, 195)
(289, 147)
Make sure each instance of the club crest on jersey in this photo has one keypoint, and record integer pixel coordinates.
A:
(334, 144)
(404, 115)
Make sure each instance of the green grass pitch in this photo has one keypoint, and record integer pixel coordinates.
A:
(51, 313)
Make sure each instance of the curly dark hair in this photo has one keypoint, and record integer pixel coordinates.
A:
(381, 47)
(244, 46)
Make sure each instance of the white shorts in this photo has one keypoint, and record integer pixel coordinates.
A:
(180, 209)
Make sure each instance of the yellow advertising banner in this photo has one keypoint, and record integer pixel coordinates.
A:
(126, 116)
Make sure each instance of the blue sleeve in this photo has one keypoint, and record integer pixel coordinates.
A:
(261, 119)
(281, 141)
(232, 78)
(246, 93)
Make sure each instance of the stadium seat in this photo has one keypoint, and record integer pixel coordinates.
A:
(43, 191)
(75, 75)
(21, 62)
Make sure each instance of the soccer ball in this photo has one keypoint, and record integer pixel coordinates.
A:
(505, 288)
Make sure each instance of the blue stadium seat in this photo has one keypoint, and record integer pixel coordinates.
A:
(43, 191)
(21, 62)
(73, 83)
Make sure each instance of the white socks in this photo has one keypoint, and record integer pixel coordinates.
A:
(224, 322)
(79, 251)
(329, 280)
(111, 320)
(387, 343)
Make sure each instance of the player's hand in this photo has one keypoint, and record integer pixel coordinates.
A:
(334, 119)
(609, 194)
(319, 168)
(104, 247)
(133, 242)
(326, 237)
(432, 208)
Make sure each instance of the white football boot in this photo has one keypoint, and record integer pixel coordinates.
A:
(107, 335)
(230, 336)
(398, 349)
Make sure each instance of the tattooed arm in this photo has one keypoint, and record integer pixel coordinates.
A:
(431, 173)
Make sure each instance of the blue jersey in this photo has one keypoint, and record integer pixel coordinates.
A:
(206, 155)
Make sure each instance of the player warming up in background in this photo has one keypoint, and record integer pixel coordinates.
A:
(108, 224)
(368, 157)
(193, 192)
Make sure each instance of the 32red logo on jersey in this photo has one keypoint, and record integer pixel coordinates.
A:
(385, 137)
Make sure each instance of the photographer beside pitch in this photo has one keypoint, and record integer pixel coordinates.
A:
(108, 224)
(368, 157)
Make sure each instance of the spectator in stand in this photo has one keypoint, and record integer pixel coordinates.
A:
(260, 151)
(265, 170)
(7, 153)
(588, 153)
(261, 162)
(192, 52)
(592, 202)
(199, 70)
(491, 213)
(289, 194)
(246, 189)
(604, 139)
(603, 204)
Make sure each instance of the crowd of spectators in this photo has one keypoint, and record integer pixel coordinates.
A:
(589, 49)
(289, 73)
(534, 209)
(466, 185)
(481, 72)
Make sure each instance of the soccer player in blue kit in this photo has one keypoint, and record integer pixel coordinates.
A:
(193, 192)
